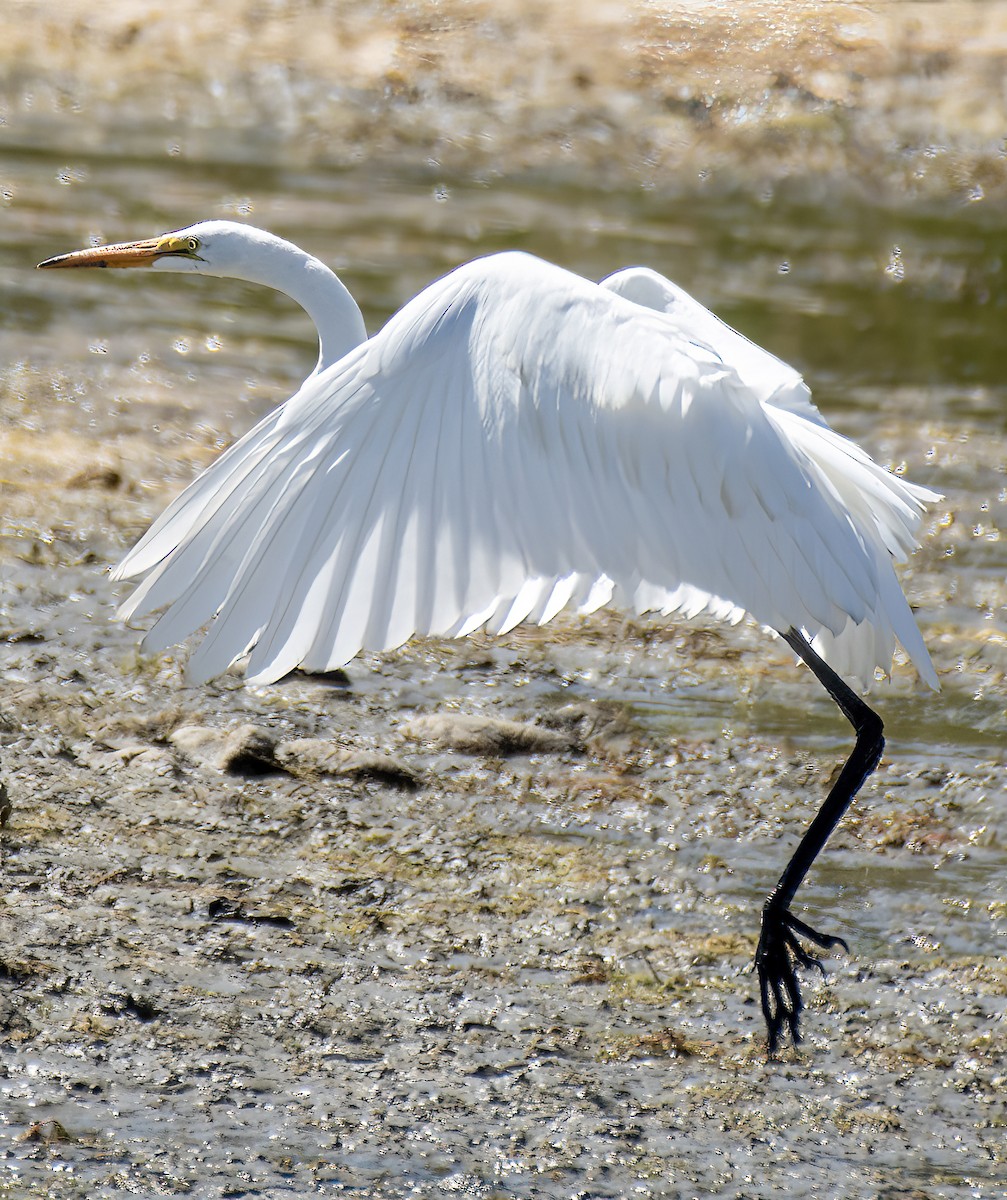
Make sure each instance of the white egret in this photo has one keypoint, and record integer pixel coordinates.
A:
(516, 441)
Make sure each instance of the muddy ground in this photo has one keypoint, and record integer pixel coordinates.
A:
(463, 922)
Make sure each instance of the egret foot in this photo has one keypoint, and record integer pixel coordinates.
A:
(778, 955)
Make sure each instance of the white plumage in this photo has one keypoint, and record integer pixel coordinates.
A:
(515, 441)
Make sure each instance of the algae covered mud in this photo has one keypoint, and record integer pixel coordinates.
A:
(477, 918)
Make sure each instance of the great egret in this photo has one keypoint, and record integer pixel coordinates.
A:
(516, 441)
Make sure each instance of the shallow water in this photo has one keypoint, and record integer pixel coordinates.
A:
(424, 1013)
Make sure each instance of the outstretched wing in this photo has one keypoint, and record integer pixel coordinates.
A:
(514, 441)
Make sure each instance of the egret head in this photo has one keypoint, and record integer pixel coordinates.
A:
(234, 251)
(208, 248)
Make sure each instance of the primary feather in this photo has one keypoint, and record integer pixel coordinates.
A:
(515, 441)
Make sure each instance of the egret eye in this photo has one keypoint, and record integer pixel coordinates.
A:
(193, 245)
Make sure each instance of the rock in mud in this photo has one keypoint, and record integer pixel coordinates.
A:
(246, 750)
(317, 756)
(485, 735)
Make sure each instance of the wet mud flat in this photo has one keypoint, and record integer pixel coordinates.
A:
(468, 921)
(324, 938)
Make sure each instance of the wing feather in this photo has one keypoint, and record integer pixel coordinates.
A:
(514, 442)
(351, 536)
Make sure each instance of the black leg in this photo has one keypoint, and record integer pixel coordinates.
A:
(780, 951)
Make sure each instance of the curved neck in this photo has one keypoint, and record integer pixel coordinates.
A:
(319, 291)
